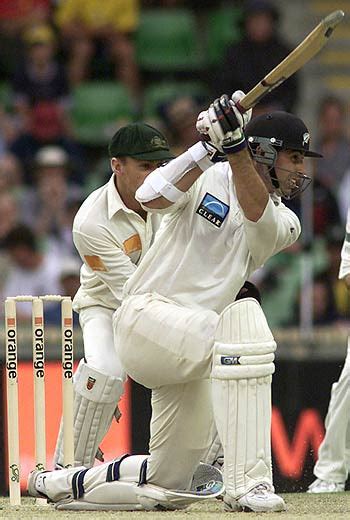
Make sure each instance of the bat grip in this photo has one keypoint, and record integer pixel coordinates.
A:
(239, 107)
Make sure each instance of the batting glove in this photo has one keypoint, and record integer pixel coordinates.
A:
(222, 124)
(215, 155)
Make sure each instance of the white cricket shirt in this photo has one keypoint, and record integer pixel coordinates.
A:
(344, 269)
(111, 240)
(206, 249)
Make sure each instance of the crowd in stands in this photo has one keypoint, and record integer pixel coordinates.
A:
(73, 71)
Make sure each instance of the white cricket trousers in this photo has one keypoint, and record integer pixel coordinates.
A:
(98, 335)
(168, 348)
(334, 452)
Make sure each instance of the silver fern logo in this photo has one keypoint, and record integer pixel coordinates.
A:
(306, 138)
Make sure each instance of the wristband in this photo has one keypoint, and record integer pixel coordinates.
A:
(235, 143)
(200, 156)
(234, 147)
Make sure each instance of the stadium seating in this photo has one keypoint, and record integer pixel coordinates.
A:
(167, 40)
(5, 95)
(99, 109)
(159, 94)
(222, 29)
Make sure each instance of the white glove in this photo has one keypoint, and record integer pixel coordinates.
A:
(222, 124)
(247, 115)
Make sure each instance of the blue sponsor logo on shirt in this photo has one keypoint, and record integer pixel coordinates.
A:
(213, 209)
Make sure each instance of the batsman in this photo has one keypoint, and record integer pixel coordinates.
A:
(180, 330)
(112, 231)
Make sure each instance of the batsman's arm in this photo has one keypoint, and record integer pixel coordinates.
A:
(183, 185)
(223, 124)
(251, 192)
(167, 184)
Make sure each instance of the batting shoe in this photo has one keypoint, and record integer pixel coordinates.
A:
(325, 486)
(36, 484)
(260, 499)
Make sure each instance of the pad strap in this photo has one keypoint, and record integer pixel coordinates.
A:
(243, 361)
(113, 470)
(78, 483)
(143, 473)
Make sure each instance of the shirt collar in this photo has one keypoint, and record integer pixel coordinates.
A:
(114, 201)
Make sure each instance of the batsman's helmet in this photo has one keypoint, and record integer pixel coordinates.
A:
(281, 130)
(270, 133)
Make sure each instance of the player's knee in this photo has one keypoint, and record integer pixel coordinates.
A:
(244, 346)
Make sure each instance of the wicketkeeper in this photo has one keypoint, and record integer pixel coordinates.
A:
(112, 233)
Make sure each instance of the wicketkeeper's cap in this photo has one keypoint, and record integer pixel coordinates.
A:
(140, 141)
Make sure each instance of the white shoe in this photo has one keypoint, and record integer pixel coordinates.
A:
(36, 484)
(325, 486)
(259, 500)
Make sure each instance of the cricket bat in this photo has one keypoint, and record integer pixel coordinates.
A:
(306, 50)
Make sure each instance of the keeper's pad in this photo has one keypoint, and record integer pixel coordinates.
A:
(122, 486)
(96, 399)
(241, 391)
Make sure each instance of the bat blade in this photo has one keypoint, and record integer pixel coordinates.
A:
(303, 53)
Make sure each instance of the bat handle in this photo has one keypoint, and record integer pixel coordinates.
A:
(240, 108)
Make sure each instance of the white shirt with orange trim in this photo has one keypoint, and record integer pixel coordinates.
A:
(111, 240)
(206, 249)
(344, 269)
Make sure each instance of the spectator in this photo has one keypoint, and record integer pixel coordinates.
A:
(333, 143)
(9, 214)
(180, 116)
(101, 30)
(69, 281)
(41, 101)
(39, 79)
(8, 128)
(259, 51)
(323, 302)
(11, 174)
(9, 218)
(46, 206)
(31, 270)
(325, 311)
(326, 215)
(193, 4)
(280, 284)
(16, 16)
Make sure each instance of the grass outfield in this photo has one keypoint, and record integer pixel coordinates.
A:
(300, 505)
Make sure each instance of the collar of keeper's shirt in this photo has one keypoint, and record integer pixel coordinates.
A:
(140, 141)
